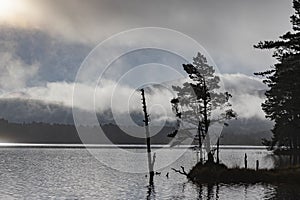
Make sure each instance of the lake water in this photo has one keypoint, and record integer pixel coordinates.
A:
(58, 173)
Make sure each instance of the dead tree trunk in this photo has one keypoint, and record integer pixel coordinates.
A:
(246, 161)
(146, 121)
(218, 151)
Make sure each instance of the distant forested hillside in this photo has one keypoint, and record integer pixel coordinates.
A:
(38, 132)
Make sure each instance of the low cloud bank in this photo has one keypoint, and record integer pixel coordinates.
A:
(247, 95)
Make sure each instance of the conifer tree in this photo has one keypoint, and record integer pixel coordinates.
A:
(198, 98)
(283, 96)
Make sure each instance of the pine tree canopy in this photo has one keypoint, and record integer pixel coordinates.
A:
(283, 80)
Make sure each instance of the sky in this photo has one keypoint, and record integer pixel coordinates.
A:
(44, 42)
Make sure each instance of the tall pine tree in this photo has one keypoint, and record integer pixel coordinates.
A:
(283, 97)
(198, 99)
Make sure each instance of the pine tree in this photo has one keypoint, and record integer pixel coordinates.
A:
(283, 97)
(199, 98)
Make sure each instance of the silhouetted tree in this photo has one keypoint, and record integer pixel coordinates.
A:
(198, 98)
(151, 160)
(283, 97)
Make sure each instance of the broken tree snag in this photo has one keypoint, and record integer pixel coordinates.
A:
(183, 172)
(218, 151)
(246, 161)
(146, 121)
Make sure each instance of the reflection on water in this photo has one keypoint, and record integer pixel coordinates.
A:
(247, 191)
(284, 161)
(151, 192)
(75, 174)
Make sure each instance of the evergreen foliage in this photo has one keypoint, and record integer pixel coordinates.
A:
(283, 97)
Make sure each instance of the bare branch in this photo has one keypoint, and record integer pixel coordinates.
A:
(183, 172)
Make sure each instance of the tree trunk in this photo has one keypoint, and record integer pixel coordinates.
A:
(146, 120)
(206, 121)
(218, 151)
(200, 142)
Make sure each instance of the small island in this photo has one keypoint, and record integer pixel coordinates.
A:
(219, 173)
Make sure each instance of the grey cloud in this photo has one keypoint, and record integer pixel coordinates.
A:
(227, 29)
(15, 74)
(243, 84)
(56, 58)
(67, 30)
(248, 94)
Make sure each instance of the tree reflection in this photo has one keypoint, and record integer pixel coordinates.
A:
(212, 191)
(151, 192)
(284, 161)
(283, 191)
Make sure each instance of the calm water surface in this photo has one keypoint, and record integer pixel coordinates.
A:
(41, 173)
